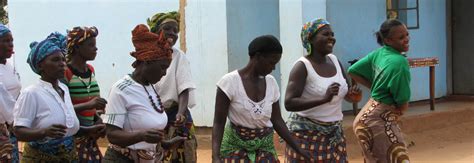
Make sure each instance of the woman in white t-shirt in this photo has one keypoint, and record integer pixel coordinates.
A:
(10, 87)
(316, 88)
(44, 116)
(134, 115)
(249, 98)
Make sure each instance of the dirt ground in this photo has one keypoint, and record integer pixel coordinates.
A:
(443, 136)
(443, 145)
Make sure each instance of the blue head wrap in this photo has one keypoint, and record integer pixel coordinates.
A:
(53, 43)
(3, 30)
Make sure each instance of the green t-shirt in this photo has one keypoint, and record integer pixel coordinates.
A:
(389, 73)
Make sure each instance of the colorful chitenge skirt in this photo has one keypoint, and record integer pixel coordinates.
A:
(323, 140)
(87, 149)
(117, 154)
(187, 151)
(53, 150)
(377, 130)
(240, 144)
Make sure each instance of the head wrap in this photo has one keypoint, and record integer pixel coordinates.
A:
(149, 46)
(53, 43)
(78, 35)
(309, 29)
(156, 20)
(3, 30)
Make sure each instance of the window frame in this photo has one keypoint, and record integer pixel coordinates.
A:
(390, 8)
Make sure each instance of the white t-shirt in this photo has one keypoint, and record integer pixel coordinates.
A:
(129, 108)
(177, 79)
(10, 87)
(315, 88)
(243, 111)
(40, 106)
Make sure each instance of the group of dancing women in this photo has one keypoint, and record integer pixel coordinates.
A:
(146, 117)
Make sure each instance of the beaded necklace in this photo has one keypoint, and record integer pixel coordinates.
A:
(160, 109)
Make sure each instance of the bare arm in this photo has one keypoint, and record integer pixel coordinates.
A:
(183, 99)
(402, 108)
(361, 80)
(294, 90)
(220, 117)
(280, 127)
(97, 102)
(353, 92)
(28, 134)
(117, 136)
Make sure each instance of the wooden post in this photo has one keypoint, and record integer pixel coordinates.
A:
(432, 87)
(427, 62)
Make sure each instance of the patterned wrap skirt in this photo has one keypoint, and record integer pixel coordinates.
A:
(377, 130)
(55, 150)
(325, 141)
(87, 149)
(245, 145)
(117, 154)
(187, 151)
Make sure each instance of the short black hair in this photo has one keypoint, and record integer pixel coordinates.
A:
(265, 44)
(385, 29)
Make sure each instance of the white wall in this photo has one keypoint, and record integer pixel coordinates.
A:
(206, 37)
(33, 20)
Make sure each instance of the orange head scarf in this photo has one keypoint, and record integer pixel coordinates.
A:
(149, 46)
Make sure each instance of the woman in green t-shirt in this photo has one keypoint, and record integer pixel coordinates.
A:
(386, 72)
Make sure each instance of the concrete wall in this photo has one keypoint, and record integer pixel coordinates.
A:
(355, 22)
(34, 20)
(206, 35)
(247, 19)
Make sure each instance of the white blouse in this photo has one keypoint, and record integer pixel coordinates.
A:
(10, 87)
(177, 79)
(315, 88)
(243, 111)
(40, 106)
(130, 109)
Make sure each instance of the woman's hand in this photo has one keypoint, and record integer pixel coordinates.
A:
(152, 136)
(354, 94)
(97, 103)
(180, 119)
(333, 90)
(54, 131)
(95, 131)
(173, 143)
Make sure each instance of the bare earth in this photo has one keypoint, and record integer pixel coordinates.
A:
(442, 145)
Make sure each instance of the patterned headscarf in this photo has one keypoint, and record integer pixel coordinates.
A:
(309, 29)
(148, 45)
(53, 43)
(3, 30)
(78, 35)
(156, 20)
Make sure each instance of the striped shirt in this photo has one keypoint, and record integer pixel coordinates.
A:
(83, 88)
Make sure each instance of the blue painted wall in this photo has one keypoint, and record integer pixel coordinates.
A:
(247, 19)
(354, 24)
